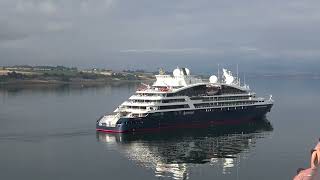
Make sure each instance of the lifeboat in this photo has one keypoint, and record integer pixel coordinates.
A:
(164, 89)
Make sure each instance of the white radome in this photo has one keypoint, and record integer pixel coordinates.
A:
(177, 72)
(213, 79)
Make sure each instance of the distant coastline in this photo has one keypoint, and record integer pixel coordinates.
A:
(61, 75)
(40, 76)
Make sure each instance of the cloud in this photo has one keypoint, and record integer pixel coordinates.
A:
(111, 32)
(248, 49)
(58, 26)
(6, 36)
(8, 32)
(178, 51)
(47, 7)
(24, 6)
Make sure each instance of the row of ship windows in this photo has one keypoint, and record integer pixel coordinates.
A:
(202, 105)
(150, 94)
(192, 98)
(189, 112)
(161, 95)
(160, 107)
(174, 107)
(219, 98)
(131, 122)
(159, 101)
(185, 112)
(191, 92)
(225, 109)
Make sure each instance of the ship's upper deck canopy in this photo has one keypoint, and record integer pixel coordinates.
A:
(182, 79)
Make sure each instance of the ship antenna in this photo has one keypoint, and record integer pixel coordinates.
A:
(218, 72)
(161, 71)
(238, 74)
(244, 79)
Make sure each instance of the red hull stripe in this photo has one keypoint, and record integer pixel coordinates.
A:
(199, 125)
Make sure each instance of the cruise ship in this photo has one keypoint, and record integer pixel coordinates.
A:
(182, 100)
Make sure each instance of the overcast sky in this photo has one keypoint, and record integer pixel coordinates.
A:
(150, 34)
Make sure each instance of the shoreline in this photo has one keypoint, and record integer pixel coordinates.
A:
(57, 83)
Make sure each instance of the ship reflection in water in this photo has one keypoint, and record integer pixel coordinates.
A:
(170, 154)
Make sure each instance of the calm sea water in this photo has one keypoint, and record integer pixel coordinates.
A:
(49, 133)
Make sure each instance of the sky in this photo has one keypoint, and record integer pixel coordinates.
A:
(148, 34)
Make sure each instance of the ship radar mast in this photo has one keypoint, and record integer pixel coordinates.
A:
(161, 71)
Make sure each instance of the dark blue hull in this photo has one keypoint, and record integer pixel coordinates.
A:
(200, 118)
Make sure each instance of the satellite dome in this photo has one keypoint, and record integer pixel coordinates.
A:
(177, 72)
(213, 79)
(181, 72)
